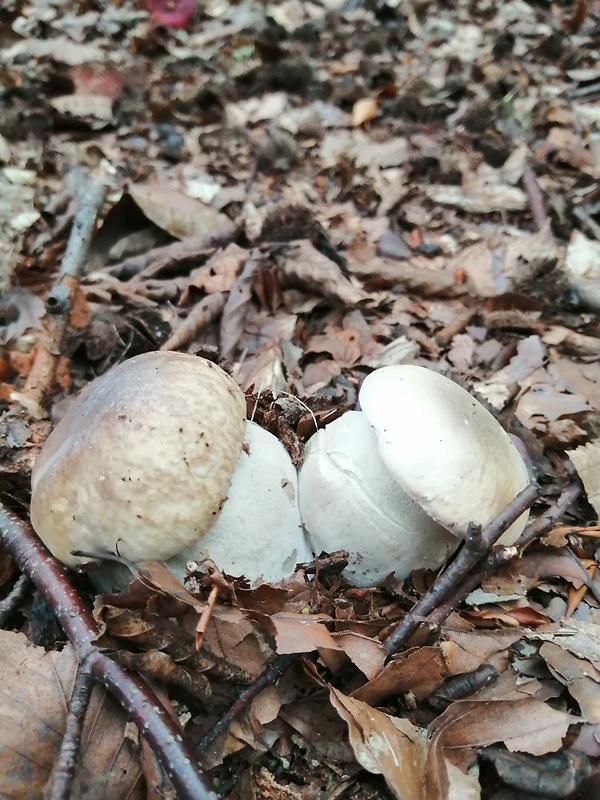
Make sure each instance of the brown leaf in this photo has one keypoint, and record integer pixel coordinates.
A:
(297, 633)
(364, 110)
(342, 345)
(35, 688)
(419, 671)
(367, 654)
(305, 266)
(580, 677)
(236, 307)
(586, 460)
(528, 725)
(384, 745)
(579, 637)
(179, 215)
(465, 651)
(531, 569)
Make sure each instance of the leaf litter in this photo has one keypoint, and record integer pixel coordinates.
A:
(345, 186)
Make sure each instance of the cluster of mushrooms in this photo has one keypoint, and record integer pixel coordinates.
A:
(155, 460)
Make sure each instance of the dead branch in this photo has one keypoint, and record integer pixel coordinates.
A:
(536, 199)
(543, 524)
(60, 782)
(200, 317)
(14, 599)
(458, 570)
(65, 301)
(131, 691)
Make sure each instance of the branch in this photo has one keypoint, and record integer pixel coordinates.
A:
(133, 693)
(458, 570)
(498, 558)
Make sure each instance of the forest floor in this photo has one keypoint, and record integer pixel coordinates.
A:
(304, 192)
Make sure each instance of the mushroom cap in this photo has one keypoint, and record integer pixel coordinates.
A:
(349, 500)
(141, 462)
(258, 533)
(443, 447)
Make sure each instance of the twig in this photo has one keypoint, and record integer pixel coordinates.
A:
(14, 599)
(536, 199)
(200, 316)
(60, 783)
(175, 256)
(64, 302)
(268, 677)
(78, 246)
(164, 737)
(456, 573)
(498, 558)
(583, 215)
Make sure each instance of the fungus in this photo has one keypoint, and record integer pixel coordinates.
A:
(144, 462)
(398, 483)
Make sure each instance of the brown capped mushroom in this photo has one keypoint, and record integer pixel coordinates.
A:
(142, 462)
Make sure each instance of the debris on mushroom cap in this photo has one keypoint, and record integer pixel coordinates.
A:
(142, 461)
(443, 447)
(258, 534)
(348, 499)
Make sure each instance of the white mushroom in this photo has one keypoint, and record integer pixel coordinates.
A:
(436, 461)
(349, 500)
(143, 464)
(258, 533)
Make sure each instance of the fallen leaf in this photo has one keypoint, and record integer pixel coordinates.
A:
(180, 216)
(305, 266)
(36, 686)
(586, 460)
(384, 745)
(364, 110)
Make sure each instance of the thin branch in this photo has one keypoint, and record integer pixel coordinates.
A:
(63, 302)
(536, 199)
(61, 781)
(498, 558)
(268, 677)
(133, 693)
(78, 246)
(14, 600)
(458, 570)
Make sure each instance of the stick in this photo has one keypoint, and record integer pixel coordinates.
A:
(498, 558)
(164, 737)
(63, 303)
(536, 199)
(268, 677)
(60, 783)
(456, 573)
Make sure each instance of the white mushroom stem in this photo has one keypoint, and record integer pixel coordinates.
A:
(258, 533)
(420, 462)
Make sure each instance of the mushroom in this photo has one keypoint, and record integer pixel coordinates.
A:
(398, 483)
(143, 463)
(262, 507)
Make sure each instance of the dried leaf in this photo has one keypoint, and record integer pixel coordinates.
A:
(419, 671)
(384, 745)
(580, 677)
(586, 460)
(364, 110)
(35, 685)
(237, 306)
(179, 215)
(304, 265)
